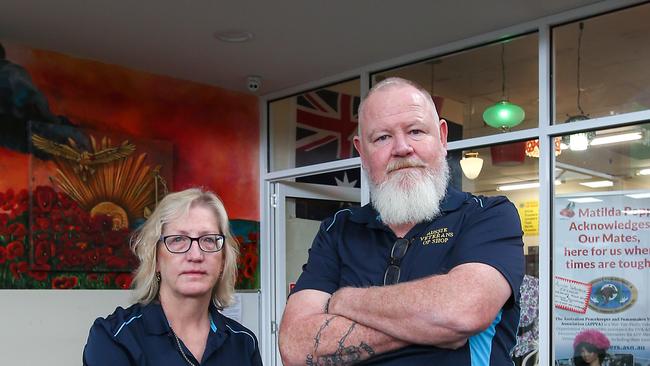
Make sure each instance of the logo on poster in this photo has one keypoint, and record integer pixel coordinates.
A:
(611, 294)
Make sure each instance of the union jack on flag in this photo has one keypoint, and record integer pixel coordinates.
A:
(326, 122)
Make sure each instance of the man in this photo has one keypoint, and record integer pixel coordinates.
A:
(425, 274)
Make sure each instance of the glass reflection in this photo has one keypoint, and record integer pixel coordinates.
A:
(601, 247)
(313, 127)
(465, 84)
(600, 65)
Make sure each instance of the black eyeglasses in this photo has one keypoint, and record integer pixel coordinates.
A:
(209, 243)
(400, 246)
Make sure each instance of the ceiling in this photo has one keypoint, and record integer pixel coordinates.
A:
(295, 41)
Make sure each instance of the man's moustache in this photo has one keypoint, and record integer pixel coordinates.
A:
(401, 164)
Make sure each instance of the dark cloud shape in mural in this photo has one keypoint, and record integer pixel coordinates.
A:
(21, 102)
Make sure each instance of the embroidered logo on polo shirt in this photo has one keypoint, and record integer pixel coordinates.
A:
(438, 236)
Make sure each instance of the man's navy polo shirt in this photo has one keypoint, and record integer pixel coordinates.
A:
(140, 335)
(352, 249)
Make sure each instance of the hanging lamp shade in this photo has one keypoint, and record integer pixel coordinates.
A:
(578, 141)
(504, 115)
(471, 165)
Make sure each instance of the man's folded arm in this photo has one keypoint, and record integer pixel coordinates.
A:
(310, 336)
(443, 310)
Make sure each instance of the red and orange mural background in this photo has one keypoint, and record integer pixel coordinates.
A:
(214, 134)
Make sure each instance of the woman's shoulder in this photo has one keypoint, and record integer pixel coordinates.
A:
(108, 342)
(121, 317)
(239, 331)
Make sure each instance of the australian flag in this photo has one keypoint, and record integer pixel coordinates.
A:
(326, 123)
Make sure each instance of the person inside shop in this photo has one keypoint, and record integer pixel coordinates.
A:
(590, 348)
(424, 274)
(187, 272)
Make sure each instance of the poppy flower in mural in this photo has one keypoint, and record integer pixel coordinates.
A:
(16, 204)
(71, 258)
(124, 280)
(65, 243)
(40, 272)
(6, 199)
(93, 258)
(106, 251)
(45, 198)
(250, 264)
(4, 219)
(42, 223)
(108, 278)
(58, 226)
(3, 255)
(116, 262)
(17, 230)
(248, 261)
(63, 282)
(43, 236)
(43, 252)
(38, 275)
(17, 269)
(56, 215)
(15, 249)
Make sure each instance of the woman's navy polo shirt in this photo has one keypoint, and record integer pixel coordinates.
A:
(352, 249)
(140, 335)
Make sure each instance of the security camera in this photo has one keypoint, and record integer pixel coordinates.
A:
(254, 83)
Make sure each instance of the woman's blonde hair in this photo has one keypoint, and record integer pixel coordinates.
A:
(145, 241)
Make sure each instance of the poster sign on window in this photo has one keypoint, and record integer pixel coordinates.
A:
(602, 277)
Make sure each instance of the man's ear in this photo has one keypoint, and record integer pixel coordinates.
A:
(357, 145)
(443, 133)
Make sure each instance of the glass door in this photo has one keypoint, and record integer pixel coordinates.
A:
(298, 209)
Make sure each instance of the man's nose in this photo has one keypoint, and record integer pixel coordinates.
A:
(401, 146)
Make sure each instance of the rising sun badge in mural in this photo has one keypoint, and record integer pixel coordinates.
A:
(90, 190)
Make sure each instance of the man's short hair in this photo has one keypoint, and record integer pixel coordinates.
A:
(397, 81)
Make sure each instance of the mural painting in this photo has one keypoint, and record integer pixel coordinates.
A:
(82, 165)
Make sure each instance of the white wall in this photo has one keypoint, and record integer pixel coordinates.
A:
(50, 327)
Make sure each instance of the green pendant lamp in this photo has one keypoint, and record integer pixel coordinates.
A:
(503, 115)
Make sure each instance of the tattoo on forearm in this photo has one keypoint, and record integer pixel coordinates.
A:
(327, 306)
(367, 348)
(343, 355)
(345, 336)
(320, 330)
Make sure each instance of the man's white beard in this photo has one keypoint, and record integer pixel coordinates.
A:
(410, 195)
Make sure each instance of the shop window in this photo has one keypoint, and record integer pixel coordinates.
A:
(313, 127)
(465, 84)
(601, 65)
(601, 247)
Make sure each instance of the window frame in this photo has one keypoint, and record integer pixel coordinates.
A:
(545, 132)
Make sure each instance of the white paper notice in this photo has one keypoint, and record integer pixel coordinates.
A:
(234, 311)
(571, 295)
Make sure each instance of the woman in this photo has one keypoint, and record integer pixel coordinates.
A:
(188, 265)
(590, 348)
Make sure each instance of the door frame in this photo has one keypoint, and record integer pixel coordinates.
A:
(281, 191)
